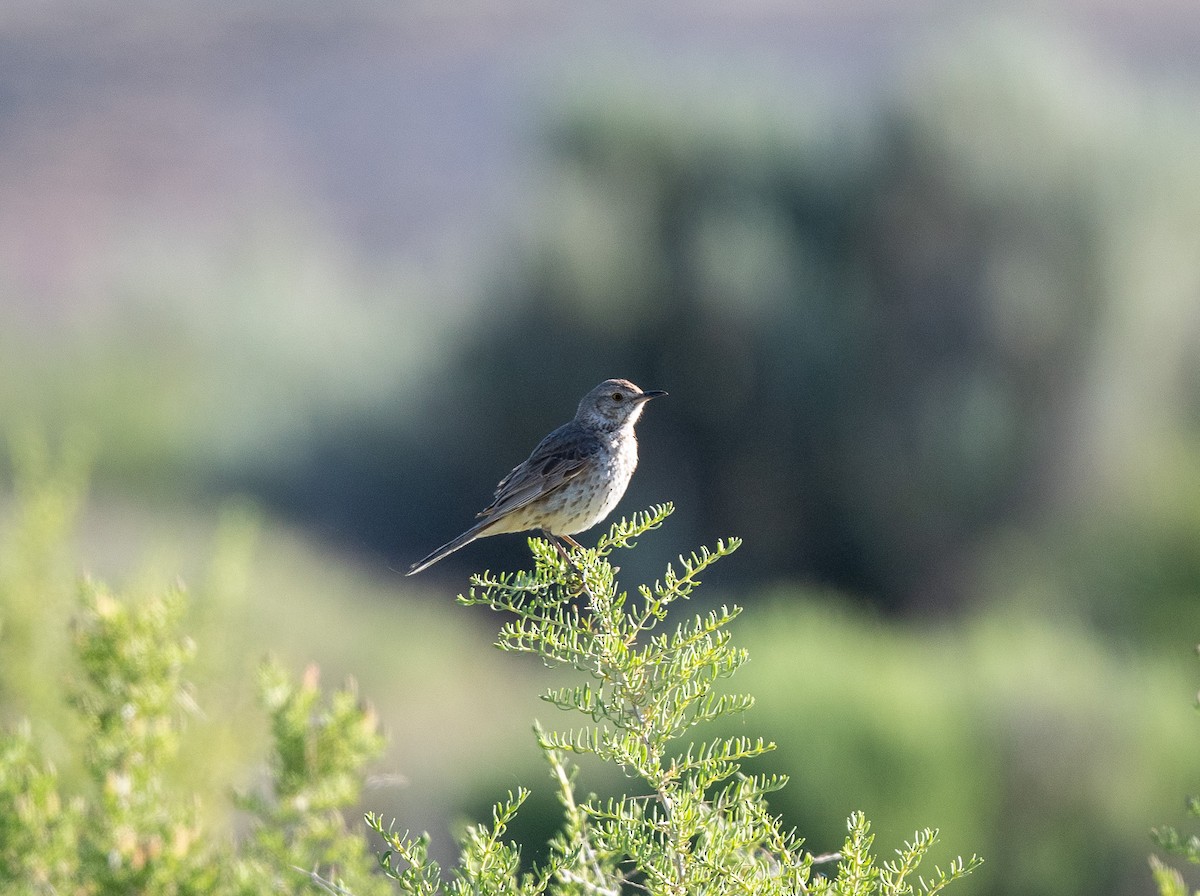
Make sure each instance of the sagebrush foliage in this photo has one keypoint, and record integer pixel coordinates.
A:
(119, 822)
(699, 824)
(1169, 880)
(132, 830)
(122, 822)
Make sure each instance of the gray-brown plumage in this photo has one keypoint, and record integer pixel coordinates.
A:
(574, 477)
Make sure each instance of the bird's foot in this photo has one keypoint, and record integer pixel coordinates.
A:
(572, 567)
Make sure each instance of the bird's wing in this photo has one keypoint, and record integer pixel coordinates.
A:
(558, 458)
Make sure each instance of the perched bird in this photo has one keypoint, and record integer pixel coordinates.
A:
(574, 477)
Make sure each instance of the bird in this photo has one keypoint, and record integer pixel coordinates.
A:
(573, 478)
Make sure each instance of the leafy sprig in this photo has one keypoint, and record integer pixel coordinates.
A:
(700, 824)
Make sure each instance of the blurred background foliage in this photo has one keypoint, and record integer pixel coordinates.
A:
(924, 289)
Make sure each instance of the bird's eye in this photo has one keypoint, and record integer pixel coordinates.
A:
(618, 396)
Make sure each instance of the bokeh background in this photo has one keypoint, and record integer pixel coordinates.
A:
(302, 281)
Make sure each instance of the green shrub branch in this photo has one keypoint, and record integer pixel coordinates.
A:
(702, 824)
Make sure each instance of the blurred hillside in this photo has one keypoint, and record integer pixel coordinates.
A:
(922, 283)
(913, 289)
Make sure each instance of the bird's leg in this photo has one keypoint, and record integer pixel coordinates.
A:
(577, 546)
(555, 540)
(562, 552)
(582, 589)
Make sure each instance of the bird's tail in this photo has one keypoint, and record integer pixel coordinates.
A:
(447, 549)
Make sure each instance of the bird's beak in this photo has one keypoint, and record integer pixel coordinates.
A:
(651, 393)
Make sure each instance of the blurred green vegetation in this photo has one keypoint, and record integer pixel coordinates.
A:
(255, 590)
(904, 341)
(1027, 716)
(891, 337)
(1024, 737)
(935, 355)
(130, 827)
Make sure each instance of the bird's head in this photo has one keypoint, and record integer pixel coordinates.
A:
(614, 404)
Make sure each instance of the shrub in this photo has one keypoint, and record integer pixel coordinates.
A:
(696, 822)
